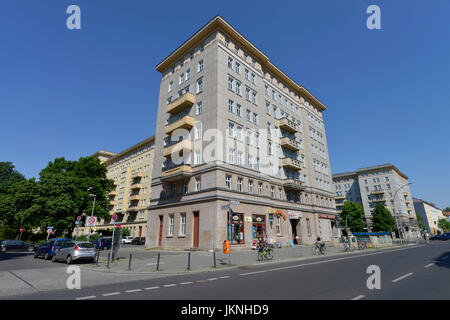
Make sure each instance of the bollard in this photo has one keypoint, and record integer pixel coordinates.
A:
(107, 266)
(157, 263)
(96, 260)
(214, 255)
(189, 261)
(129, 263)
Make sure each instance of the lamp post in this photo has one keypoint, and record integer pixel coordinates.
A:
(398, 218)
(92, 214)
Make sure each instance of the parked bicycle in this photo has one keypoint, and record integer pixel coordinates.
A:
(362, 244)
(319, 248)
(347, 246)
(265, 253)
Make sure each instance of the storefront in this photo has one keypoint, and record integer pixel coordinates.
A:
(236, 228)
(325, 226)
(259, 227)
(294, 220)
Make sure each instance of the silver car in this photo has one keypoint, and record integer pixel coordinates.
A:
(75, 251)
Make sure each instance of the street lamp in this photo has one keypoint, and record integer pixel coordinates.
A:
(92, 213)
(398, 218)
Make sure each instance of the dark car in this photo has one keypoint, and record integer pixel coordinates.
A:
(435, 237)
(445, 236)
(103, 243)
(47, 250)
(15, 245)
(138, 241)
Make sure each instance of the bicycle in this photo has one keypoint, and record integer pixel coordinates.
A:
(318, 248)
(347, 246)
(363, 244)
(265, 254)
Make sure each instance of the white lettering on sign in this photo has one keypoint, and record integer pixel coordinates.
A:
(74, 20)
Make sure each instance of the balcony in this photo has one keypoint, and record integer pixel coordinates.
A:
(339, 204)
(377, 192)
(339, 197)
(407, 201)
(290, 163)
(133, 209)
(181, 103)
(136, 186)
(134, 197)
(113, 193)
(287, 125)
(187, 122)
(181, 146)
(379, 200)
(137, 175)
(293, 184)
(288, 143)
(176, 173)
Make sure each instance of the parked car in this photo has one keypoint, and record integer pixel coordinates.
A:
(47, 250)
(138, 241)
(127, 240)
(75, 251)
(15, 245)
(103, 243)
(445, 236)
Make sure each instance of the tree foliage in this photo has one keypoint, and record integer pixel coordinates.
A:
(444, 224)
(382, 219)
(354, 214)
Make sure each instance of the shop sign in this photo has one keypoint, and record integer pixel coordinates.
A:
(258, 219)
(326, 216)
(293, 215)
(248, 219)
(270, 217)
(236, 218)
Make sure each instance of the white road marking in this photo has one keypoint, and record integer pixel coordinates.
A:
(154, 263)
(187, 282)
(358, 297)
(169, 285)
(151, 288)
(134, 290)
(110, 294)
(225, 277)
(212, 279)
(403, 277)
(83, 298)
(247, 273)
(429, 265)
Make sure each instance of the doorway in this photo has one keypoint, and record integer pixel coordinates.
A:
(259, 227)
(296, 227)
(196, 228)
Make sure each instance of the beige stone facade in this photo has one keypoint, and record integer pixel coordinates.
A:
(233, 127)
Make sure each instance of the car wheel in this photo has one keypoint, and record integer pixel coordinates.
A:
(54, 258)
(69, 260)
(30, 249)
(47, 256)
(4, 250)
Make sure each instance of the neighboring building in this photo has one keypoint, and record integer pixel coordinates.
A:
(383, 184)
(430, 215)
(232, 126)
(131, 170)
(447, 215)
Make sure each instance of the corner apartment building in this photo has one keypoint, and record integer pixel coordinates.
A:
(131, 171)
(382, 184)
(430, 215)
(233, 128)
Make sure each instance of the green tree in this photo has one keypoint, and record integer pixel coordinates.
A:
(354, 213)
(421, 223)
(9, 175)
(446, 209)
(382, 219)
(444, 224)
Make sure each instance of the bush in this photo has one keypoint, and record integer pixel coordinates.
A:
(8, 233)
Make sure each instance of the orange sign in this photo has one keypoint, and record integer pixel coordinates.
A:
(226, 246)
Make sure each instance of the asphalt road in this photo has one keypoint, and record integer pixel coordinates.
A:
(414, 272)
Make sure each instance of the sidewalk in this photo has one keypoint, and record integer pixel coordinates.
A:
(176, 262)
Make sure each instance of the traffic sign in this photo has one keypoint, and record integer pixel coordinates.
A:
(50, 227)
(49, 231)
(77, 222)
(235, 202)
(78, 218)
(91, 221)
(118, 226)
(22, 229)
(114, 217)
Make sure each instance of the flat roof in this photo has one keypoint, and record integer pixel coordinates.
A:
(371, 168)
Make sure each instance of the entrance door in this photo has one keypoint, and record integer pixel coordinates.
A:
(259, 227)
(196, 226)
(140, 231)
(295, 225)
(160, 231)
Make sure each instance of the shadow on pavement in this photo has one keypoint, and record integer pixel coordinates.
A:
(13, 255)
(443, 260)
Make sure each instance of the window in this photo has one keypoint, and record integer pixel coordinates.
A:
(200, 66)
(237, 67)
(182, 223)
(199, 108)
(260, 188)
(185, 186)
(198, 130)
(239, 184)
(239, 110)
(308, 227)
(254, 97)
(231, 153)
(230, 83)
(239, 158)
(188, 74)
(181, 80)
(231, 129)
(246, 74)
(280, 193)
(170, 86)
(255, 118)
(253, 78)
(247, 94)
(268, 107)
(228, 182)
(239, 133)
(248, 115)
(199, 85)
(238, 87)
(272, 192)
(237, 228)
(250, 186)
(231, 106)
(198, 184)
(230, 63)
(278, 225)
(197, 157)
(171, 220)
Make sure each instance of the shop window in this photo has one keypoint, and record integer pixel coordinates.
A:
(237, 228)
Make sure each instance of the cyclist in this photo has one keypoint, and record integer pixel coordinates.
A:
(320, 243)
(261, 244)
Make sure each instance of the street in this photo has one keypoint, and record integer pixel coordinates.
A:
(411, 272)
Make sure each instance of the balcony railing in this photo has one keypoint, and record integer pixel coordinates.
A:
(187, 122)
(290, 144)
(181, 103)
(293, 184)
(377, 191)
(287, 125)
(339, 197)
(134, 197)
(290, 163)
(379, 200)
(176, 173)
(181, 146)
(136, 186)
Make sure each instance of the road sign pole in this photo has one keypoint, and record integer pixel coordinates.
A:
(112, 242)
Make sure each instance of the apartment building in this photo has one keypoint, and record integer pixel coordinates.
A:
(430, 215)
(241, 150)
(131, 171)
(381, 184)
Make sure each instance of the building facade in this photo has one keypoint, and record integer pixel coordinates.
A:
(131, 171)
(382, 184)
(241, 151)
(430, 215)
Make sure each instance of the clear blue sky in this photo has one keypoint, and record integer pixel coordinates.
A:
(64, 93)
